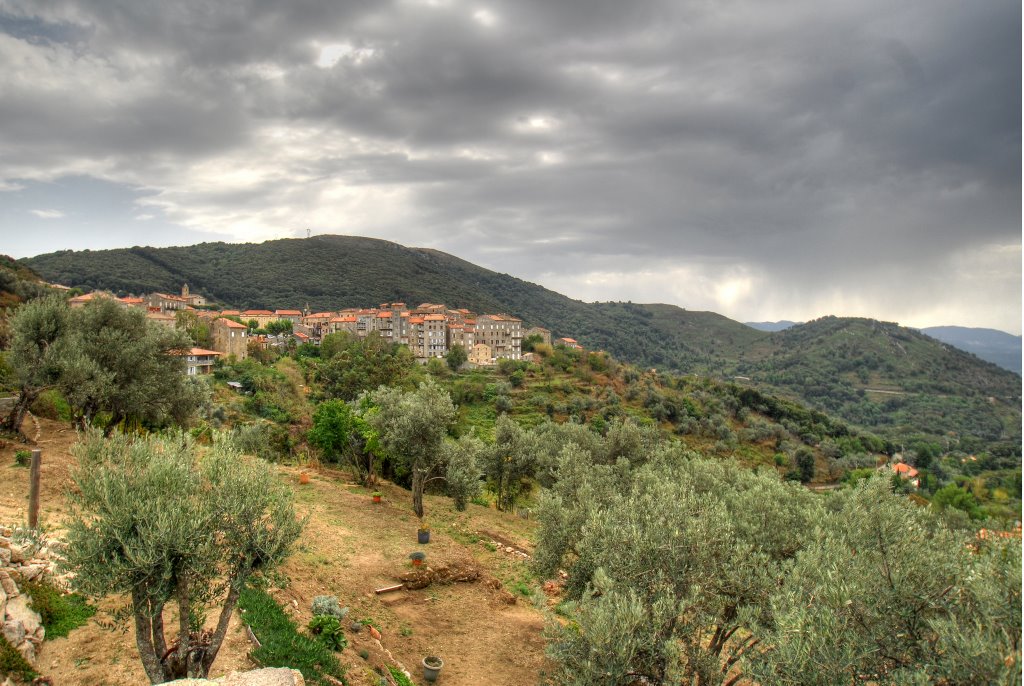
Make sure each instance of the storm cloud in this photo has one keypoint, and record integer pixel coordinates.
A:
(763, 160)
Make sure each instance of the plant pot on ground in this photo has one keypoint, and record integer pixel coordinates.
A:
(423, 534)
(432, 667)
(417, 558)
(376, 496)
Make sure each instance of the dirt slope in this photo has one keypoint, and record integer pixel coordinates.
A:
(485, 633)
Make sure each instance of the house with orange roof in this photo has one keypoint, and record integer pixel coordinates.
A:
(569, 343)
(294, 316)
(905, 471)
(230, 338)
(262, 317)
(344, 323)
(199, 361)
(503, 333)
(81, 300)
(167, 303)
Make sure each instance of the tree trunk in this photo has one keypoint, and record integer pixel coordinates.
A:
(144, 639)
(184, 630)
(17, 415)
(418, 481)
(222, 626)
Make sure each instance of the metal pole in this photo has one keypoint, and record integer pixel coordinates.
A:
(33, 488)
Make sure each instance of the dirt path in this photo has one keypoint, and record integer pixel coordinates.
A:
(349, 548)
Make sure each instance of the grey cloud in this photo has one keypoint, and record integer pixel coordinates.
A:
(804, 142)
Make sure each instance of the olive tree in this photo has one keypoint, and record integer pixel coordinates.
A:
(411, 427)
(672, 567)
(38, 336)
(343, 435)
(462, 472)
(887, 594)
(119, 363)
(154, 519)
(510, 463)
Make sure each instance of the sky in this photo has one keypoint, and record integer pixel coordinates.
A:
(782, 160)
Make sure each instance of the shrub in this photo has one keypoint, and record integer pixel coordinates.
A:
(23, 458)
(327, 628)
(328, 605)
(60, 613)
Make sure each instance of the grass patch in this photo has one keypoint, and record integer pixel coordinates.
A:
(13, 664)
(282, 644)
(61, 613)
(399, 676)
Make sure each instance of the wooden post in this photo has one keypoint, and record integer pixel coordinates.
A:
(33, 488)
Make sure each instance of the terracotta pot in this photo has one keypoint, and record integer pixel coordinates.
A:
(416, 562)
(303, 478)
(376, 498)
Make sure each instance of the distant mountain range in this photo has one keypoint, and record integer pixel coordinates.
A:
(991, 345)
(887, 378)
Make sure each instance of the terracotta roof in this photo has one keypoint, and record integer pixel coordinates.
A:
(344, 319)
(299, 334)
(434, 317)
(903, 468)
(131, 301)
(227, 313)
(415, 320)
(258, 312)
(568, 340)
(232, 324)
(202, 351)
(289, 312)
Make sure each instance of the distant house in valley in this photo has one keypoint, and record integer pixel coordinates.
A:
(262, 317)
(230, 338)
(503, 333)
(199, 361)
(905, 471)
(193, 299)
(545, 334)
(167, 303)
(480, 355)
(294, 316)
(82, 300)
(163, 318)
(569, 343)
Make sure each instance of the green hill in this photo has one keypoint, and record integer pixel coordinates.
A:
(892, 380)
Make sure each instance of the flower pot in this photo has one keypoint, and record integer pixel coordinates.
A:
(303, 478)
(423, 535)
(432, 665)
(416, 562)
(376, 498)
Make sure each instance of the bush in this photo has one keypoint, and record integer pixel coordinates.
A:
(60, 613)
(23, 458)
(327, 628)
(328, 605)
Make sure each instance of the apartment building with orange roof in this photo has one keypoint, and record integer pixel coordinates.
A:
(502, 333)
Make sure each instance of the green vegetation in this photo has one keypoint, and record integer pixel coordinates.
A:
(927, 388)
(327, 629)
(22, 458)
(60, 613)
(111, 365)
(13, 664)
(731, 573)
(153, 520)
(399, 676)
(281, 643)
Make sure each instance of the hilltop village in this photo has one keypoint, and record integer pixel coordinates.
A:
(429, 330)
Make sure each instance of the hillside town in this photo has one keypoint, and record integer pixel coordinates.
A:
(429, 330)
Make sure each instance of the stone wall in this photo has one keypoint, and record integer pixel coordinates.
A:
(24, 558)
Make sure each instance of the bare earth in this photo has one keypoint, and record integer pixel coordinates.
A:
(350, 547)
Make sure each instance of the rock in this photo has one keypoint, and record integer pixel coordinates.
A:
(28, 651)
(7, 583)
(19, 553)
(19, 611)
(270, 676)
(14, 632)
(5, 557)
(32, 572)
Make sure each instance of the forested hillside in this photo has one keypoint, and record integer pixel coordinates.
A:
(895, 381)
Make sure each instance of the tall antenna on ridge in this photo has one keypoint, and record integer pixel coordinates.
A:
(307, 233)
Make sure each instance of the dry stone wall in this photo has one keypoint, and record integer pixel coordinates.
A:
(25, 556)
